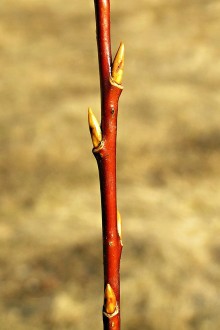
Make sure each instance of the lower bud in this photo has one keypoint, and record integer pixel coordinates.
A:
(109, 300)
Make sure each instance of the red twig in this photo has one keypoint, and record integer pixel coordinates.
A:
(104, 141)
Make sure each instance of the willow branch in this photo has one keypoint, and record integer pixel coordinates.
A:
(104, 143)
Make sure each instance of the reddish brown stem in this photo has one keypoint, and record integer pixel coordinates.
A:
(102, 11)
(105, 155)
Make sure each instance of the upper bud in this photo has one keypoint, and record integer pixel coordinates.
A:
(118, 64)
(119, 224)
(95, 129)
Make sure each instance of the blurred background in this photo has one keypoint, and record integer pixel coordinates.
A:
(168, 165)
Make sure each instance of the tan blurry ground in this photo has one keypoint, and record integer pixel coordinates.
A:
(168, 165)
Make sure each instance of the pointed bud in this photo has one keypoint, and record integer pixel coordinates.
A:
(118, 65)
(109, 300)
(119, 224)
(95, 129)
